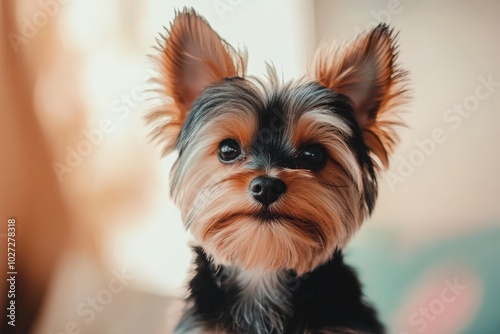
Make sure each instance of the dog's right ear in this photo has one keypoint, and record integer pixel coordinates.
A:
(194, 56)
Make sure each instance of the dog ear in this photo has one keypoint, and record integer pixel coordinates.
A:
(193, 57)
(365, 70)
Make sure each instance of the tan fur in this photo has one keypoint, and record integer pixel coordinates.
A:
(366, 71)
(318, 213)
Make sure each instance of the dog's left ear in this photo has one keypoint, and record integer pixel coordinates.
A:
(365, 70)
(194, 56)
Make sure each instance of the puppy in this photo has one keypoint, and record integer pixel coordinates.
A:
(273, 179)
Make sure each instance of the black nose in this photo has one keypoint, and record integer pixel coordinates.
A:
(267, 189)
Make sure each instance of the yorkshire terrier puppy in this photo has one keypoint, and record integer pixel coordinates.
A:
(274, 178)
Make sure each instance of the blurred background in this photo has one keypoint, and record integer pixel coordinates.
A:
(101, 248)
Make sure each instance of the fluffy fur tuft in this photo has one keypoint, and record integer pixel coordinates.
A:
(191, 56)
(366, 71)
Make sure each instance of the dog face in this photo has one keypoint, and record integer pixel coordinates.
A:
(274, 175)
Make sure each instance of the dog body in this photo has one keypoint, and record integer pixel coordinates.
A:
(274, 178)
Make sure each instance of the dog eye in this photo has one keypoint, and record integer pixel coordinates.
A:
(229, 150)
(312, 157)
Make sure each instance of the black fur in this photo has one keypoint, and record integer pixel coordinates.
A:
(329, 297)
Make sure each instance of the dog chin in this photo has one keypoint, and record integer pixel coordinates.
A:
(272, 218)
(266, 242)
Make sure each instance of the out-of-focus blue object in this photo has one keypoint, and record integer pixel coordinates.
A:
(389, 276)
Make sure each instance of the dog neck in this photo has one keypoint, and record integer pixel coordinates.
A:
(263, 300)
(228, 299)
